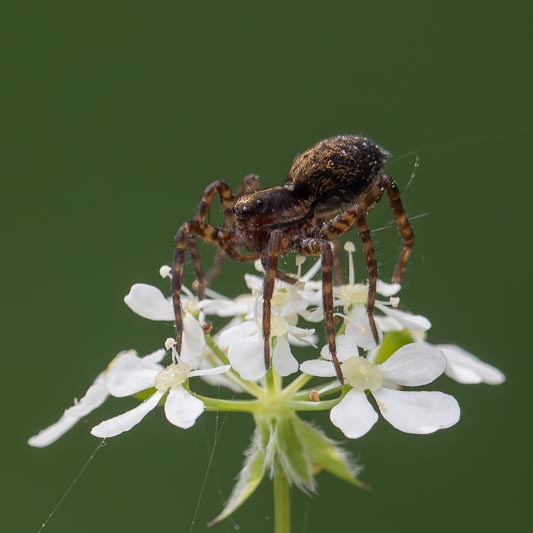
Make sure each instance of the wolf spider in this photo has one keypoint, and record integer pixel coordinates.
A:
(330, 189)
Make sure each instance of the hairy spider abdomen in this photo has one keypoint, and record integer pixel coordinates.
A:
(338, 169)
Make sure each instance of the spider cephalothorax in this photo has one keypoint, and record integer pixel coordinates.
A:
(329, 189)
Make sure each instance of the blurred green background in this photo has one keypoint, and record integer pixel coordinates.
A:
(115, 117)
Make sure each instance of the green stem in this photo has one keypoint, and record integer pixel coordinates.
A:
(282, 503)
(238, 406)
(312, 406)
(304, 394)
(296, 385)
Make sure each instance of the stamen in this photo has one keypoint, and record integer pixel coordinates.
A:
(165, 271)
(394, 301)
(350, 248)
(170, 343)
(299, 260)
(175, 356)
(310, 274)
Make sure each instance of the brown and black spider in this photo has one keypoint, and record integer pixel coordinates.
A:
(330, 189)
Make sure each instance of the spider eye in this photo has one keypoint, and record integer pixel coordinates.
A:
(258, 203)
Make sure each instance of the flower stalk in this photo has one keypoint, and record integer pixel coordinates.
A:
(282, 503)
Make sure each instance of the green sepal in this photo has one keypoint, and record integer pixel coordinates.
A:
(392, 341)
(145, 394)
(251, 475)
(301, 451)
(293, 453)
(326, 454)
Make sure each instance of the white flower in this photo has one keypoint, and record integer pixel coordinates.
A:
(461, 365)
(353, 297)
(465, 367)
(245, 340)
(412, 365)
(181, 407)
(149, 302)
(293, 299)
(105, 384)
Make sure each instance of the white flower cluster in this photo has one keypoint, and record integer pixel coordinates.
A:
(233, 357)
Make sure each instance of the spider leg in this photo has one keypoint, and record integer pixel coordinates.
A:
(200, 283)
(372, 266)
(287, 278)
(217, 265)
(323, 248)
(186, 234)
(271, 267)
(227, 200)
(356, 215)
(177, 280)
(402, 222)
(337, 262)
(249, 184)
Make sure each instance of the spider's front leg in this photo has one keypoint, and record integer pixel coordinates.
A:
(356, 215)
(227, 201)
(188, 232)
(249, 184)
(270, 262)
(323, 248)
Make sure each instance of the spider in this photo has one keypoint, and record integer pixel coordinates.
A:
(330, 189)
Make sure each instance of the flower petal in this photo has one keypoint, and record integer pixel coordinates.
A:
(124, 422)
(414, 364)
(316, 367)
(465, 367)
(182, 408)
(284, 362)
(358, 327)
(407, 320)
(246, 357)
(130, 374)
(236, 333)
(193, 344)
(387, 289)
(148, 301)
(155, 357)
(253, 282)
(418, 412)
(301, 336)
(95, 396)
(346, 348)
(240, 305)
(387, 323)
(354, 415)
(210, 371)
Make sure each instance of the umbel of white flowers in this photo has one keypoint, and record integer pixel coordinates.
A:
(231, 357)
